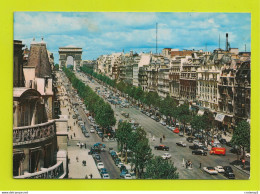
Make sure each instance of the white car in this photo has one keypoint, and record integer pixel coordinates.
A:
(92, 130)
(210, 170)
(248, 155)
(106, 176)
(219, 169)
(120, 164)
(100, 165)
(128, 176)
(166, 156)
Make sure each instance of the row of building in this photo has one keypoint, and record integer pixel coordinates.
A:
(217, 82)
(39, 134)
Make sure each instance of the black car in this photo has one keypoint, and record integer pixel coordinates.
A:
(199, 152)
(161, 147)
(229, 175)
(190, 139)
(122, 168)
(229, 144)
(235, 151)
(194, 147)
(223, 141)
(228, 169)
(204, 148)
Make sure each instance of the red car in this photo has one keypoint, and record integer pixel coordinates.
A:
(176, 130)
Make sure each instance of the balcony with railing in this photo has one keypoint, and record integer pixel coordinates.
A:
(33, 134)
(54, 172)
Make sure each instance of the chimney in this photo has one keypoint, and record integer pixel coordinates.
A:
(226, 41)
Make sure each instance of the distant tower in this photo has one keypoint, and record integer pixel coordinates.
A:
(227, 43)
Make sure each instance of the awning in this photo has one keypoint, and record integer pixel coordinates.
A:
(200, 112)
(220, 117)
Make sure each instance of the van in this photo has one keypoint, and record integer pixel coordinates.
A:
(218, 151)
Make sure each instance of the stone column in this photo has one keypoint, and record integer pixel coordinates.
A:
(16, 114)
(26, 162)
(34, 113)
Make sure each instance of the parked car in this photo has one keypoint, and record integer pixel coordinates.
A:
(182, 144)
(219, 169)
(181, 134)
(103, 171)
(190, 139)
(122, 168)
(92, 130)
(210, 170)
(86, 134)
(162, 147)
(97, 158)
(203, 148)
(128, 176)
(120, 164)
(199, 152)
(106, 176)
(123, 173)
(229, 175)
(100, 165)
(176, 130)
(222, 141)
(166, 156)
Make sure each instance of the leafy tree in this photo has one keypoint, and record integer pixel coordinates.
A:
(184, 114)
(56, 67)
(167, 105)
(158, 168)
(241, 136)
(123, 135)
(142, 152)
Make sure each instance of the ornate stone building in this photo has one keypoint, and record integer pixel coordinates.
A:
(39, 141)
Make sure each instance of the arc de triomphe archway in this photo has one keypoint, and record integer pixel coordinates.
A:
(72, 51)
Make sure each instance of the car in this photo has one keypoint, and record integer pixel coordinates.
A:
(248, 155)
(222, 141)
(181, 134)
(128, 176)
(106, 176)
(123, 173)
(202, 147)
(199, 152)
(182, 144)
(103, 171)
(190, 139)
(92, 130)
(117, 161)
(86, 134)
(74, 116)
(166, 156)
(210, 170)
(176, 130)
(235, 151)
(101, 145)
(122, 168)
(229, 175)
(194, 147)
(120, 164)
(97, 158)
(228, 169)
(162, 147)
(228, 144)
(196, 142)
(163, 123)
(219, 169)
(100, 165)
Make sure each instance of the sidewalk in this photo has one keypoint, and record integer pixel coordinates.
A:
(76, 169)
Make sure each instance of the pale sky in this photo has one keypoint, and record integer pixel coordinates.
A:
(107, 32)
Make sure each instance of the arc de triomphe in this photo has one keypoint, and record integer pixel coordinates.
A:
(72, 51)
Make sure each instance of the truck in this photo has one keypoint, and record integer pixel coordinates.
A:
(218, 151)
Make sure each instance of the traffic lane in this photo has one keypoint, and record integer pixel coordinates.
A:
(112, 169)
(157, 130)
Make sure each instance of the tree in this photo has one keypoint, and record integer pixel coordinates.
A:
(241, 136)
(184, 114)
(56, 67)
(158, 168)
(166, 106)
(142, 152)
(123, 135)
(199, 123)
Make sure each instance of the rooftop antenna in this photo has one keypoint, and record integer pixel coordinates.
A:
(156, 35)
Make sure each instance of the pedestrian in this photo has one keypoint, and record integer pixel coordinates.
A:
(85, 146)
(200, 164)
(163, 137)
(71, 137)
(86, 177)
(160, 140)
(77, 158)
(90, 176)
(74, 135)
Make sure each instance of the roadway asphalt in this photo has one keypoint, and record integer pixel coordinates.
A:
(179, 154)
